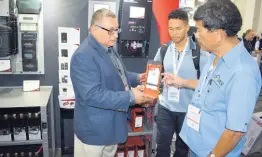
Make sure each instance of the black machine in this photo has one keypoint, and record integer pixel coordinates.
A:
(29, 6)
(135, 23)
(29, 49)
(8, 35)
(5, 41)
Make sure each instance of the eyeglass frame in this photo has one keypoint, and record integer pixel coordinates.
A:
(110, 32)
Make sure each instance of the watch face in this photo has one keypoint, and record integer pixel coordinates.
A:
(212, 155)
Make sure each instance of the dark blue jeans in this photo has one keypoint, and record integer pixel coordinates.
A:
(169, 122)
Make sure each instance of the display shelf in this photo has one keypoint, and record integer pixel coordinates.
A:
(147, 130)
(15, 98)
(13, 143)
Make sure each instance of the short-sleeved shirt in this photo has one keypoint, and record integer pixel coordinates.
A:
(187, 71)
(226, 95)
(257, 46)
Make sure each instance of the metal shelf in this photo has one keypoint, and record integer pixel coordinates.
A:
(12, 143)
(146, 131)
(14, 97)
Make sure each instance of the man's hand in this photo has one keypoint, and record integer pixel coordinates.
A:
(173, 80)
(140, 97)
(227, 142)
(142, 78)
(140, 88)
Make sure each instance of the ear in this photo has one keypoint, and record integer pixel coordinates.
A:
(92, 28)
(187, 27)
(221, 34)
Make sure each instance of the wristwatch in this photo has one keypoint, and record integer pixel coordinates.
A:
(212, 155)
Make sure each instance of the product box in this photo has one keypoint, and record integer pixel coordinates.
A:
(254, 135)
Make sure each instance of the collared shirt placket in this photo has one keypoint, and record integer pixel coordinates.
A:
(119, 67)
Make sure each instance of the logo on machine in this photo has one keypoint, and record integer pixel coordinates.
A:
(131, 22)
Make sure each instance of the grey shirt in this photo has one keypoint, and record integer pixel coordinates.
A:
(186, 71)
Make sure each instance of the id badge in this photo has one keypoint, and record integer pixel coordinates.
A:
(193, 117)
(173, 94)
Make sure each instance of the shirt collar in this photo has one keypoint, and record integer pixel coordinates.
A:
(191, 45)
(230, 57)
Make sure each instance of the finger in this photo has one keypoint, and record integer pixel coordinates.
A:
(147, 105)
(166, 74)
(165, 83)
(164, 79)
(150, 98)
(140, 88)
(146, 96)
(168, 82)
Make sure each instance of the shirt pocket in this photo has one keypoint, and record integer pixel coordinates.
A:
(214, 96)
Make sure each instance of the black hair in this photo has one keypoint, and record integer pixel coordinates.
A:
(191, 31)
(178, 14)
(220, 14)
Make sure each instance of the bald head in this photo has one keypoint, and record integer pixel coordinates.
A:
(100, 14)
(249, 31)
(250, 34)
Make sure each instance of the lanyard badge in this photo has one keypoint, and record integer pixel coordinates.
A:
(173, 92)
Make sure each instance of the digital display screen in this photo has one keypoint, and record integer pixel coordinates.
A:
(28, 55)
(137, 12)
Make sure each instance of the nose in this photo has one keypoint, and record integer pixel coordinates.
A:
(116, 34)
(174, 32)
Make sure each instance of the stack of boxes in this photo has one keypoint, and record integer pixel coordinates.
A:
(134, 147)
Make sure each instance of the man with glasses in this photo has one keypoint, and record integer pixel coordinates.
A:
(102, 89)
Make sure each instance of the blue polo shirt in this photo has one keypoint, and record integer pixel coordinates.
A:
(227, 100)
(187, 71)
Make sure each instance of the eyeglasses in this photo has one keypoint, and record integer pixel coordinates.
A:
(110, 31)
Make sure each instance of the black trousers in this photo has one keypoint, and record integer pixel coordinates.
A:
(169, 122)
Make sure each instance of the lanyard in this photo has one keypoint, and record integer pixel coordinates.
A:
(177, 66)
(119, 67)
